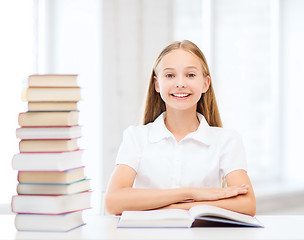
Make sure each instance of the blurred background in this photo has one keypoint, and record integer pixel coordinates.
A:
(254, 49)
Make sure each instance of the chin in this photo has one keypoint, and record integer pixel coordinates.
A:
(182, 108)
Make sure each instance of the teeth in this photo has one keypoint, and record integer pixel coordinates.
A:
(180, 94)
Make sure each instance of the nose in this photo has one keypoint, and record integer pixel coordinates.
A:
(180, 83)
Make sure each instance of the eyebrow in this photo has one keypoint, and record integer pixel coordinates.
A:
(171, 68)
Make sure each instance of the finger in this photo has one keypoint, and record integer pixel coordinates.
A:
(236, 191)
(229, 193)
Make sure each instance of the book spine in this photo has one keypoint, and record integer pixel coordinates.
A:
(57, 97)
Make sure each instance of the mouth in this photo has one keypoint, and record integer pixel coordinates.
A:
(180, 95)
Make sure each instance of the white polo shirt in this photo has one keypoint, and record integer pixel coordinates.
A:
(200, 159)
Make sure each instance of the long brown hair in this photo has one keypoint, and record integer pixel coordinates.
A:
(206, 105)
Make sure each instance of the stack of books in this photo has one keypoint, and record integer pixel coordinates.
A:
(52, 190)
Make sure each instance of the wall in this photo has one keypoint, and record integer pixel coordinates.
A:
(134, 32)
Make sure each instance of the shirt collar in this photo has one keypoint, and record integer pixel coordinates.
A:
(159, 130)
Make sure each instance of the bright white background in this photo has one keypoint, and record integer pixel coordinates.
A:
(254, 50)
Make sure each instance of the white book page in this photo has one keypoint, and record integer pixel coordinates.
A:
(162, 214)
(156, 218)
(207, 210)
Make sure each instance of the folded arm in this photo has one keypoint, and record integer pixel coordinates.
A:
(121, 195)
(244, 203)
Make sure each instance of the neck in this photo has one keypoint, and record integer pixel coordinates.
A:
(181, 123)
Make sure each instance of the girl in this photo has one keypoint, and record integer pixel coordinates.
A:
(179, 157)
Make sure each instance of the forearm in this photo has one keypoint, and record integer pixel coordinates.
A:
(143, 199)
(121, 196)
(241, 203)
(128, 198)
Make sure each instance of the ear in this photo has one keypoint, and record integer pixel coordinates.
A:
(156, 84)
(207, 81)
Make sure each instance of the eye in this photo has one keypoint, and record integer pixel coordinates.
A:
(169, 75)
(191, 75)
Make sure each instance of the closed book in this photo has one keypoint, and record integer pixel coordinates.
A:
(51, 94)
(49, 132)
(31, 119)
(49, 223)
(52, 106)
(51, 204)
(53, 80)
(54, 145)
(47, 161)
(53, 189)
(68, 176)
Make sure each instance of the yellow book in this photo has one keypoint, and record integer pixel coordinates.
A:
(62, 177)
(52, 80)
(51, 94)
(56, 145)
(52, 106)
(31, 119)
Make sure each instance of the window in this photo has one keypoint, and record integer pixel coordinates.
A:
(243, 79)
(254, 52)
(69, 42)
(16, 61)
(57, 37)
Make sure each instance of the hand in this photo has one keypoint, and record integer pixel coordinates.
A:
(209, 194)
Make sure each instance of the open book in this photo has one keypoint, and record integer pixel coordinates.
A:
(197, 216)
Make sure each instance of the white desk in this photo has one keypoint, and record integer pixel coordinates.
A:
(101, 227)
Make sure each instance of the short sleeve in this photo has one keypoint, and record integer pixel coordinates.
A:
(129, 152)
(233, 156)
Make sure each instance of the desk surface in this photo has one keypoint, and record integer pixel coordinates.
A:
(104, 227)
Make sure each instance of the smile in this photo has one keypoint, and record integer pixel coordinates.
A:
(180, 95)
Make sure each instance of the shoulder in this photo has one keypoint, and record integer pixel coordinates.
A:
(137, 133)
(153, 131)
(223, 136)
(216, 135)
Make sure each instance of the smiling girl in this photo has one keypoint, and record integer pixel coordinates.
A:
(180, 155)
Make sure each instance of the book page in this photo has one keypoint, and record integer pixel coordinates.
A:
(156, 218)
(212, 211)
(156, 214)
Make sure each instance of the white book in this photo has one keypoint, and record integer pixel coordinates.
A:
(51, 204)
(49, 223)
(53, 189)
(49, 132)
(47, 161)
(197, 216)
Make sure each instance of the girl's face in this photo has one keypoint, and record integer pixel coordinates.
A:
(180, 80)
